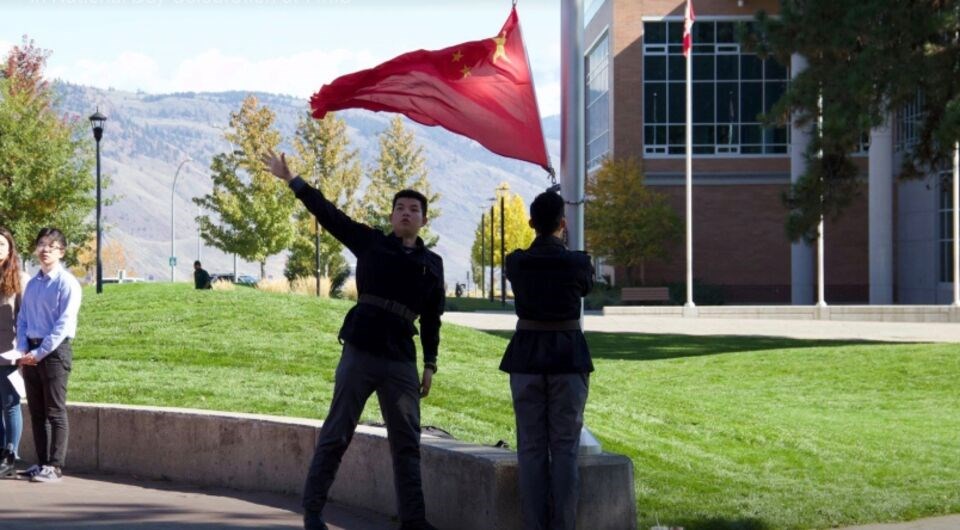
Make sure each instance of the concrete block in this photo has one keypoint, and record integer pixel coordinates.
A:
(81, 445)
(234, 451)
(365, 477)
(466, 486)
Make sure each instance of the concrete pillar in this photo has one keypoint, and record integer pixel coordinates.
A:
(881, 215)
(801, 253)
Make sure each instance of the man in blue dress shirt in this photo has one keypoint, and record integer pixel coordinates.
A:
(45, 327)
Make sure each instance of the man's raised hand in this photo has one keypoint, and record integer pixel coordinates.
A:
(277, 165)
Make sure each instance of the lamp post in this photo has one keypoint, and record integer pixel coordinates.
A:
(492, 223)
(173, 250)
(483, 250)
(503, 244)
(97, 122)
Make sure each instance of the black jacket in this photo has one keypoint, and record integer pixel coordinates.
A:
(548, 282)
(385, 270)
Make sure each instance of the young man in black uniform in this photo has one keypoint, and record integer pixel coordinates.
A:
(549, 366)
(397, 280)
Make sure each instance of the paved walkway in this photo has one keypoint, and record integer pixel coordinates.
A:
(799, 329)
(117, 503)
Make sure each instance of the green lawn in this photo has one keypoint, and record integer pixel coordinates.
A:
(724, 432)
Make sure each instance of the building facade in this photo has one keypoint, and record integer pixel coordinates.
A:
(892, 245)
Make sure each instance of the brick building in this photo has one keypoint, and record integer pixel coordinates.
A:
(890, 246)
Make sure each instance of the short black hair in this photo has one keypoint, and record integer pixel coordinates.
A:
(411, 194)
(546, 211)
(53, 233)
(197, 264)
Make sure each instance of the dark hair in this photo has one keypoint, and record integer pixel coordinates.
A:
(53, 233)
(546, 211)
(197, 264)
(10, 269)
(411, 194)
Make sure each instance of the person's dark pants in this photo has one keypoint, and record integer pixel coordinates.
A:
(397, 385)
(549, 411)
(47, 399)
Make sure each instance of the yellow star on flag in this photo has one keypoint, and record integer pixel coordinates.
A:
(500, 51)
(457, 56)
(465, 71)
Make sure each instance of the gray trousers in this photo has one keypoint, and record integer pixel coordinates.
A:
(549, 411)
(397, 385)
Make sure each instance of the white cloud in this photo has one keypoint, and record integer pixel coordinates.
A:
(212, 70)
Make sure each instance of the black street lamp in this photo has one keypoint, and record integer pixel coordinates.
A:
(483, 250)
(97, 121)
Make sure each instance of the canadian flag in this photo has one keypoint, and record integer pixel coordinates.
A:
(688, 18)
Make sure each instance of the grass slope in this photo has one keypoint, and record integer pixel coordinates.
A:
(724, 432)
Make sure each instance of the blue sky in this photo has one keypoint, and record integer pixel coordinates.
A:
(282, 46)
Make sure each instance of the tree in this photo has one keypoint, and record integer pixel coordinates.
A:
(325, 161)
(113, 257)
(517, 231)
(399, 166)
(866, 58)
(253, 206)
(46, 159)
(625, 220)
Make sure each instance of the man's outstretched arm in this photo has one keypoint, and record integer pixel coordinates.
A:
(349, 232)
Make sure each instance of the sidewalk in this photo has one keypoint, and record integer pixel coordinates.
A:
(120, 503)
(797, 329)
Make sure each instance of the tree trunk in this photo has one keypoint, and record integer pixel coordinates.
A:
(263, 270)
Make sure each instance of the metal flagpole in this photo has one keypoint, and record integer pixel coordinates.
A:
(956, 224)
(821, 298)
(688, 51)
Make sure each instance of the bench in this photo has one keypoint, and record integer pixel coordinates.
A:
(644, 294)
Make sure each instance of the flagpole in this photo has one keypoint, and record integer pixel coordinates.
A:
(688, 23)
(821, 298)
(956, 224)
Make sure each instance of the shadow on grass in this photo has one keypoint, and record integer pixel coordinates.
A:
(719, 523)
(649, 347)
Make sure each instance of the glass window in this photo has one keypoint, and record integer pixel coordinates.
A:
(655, 67)
(731, 90)
(945, 229)
(598, 102)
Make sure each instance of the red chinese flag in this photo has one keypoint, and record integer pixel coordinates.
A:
(481, 89)
(688, 18)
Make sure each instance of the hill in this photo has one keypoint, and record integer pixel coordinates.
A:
(148, 135)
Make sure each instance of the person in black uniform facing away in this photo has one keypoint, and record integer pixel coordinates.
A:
(549, 366)
(398, 278)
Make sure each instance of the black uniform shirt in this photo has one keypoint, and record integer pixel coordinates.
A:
(386, 270)
(548, 282)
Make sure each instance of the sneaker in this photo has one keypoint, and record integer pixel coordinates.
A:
(30, 472)
(47, 474)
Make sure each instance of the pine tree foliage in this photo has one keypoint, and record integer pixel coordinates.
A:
(325, 160)
(400, 165)
(867, 59)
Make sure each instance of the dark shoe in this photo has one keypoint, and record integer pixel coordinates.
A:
(8, 465)
(313, 521)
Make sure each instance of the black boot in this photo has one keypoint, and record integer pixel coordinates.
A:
(8, 467)
(313, 521)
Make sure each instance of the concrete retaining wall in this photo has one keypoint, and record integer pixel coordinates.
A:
(866, 313)
(466, 486)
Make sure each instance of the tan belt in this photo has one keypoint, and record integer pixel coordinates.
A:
(388, 305)
(545, 325)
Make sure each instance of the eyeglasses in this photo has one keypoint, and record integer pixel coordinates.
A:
(49, 246)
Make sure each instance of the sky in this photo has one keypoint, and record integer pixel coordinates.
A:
(288, 47)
